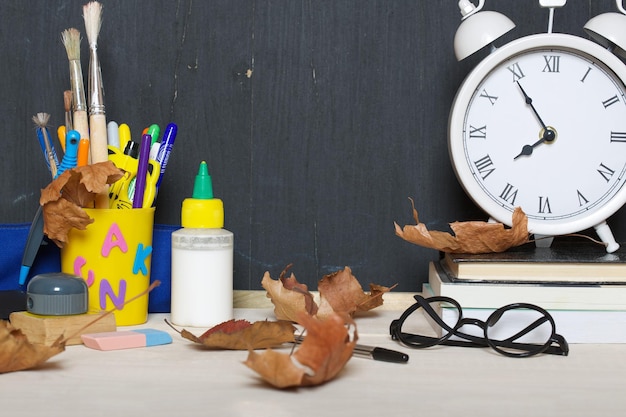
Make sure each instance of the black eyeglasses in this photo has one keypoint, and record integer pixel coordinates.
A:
(516, 330)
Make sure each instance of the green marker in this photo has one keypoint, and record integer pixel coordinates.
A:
(154, 131)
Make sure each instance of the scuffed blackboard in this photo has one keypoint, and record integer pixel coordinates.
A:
(318, 119)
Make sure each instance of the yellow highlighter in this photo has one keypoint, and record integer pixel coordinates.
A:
(121, 192)
(124, 135)
(61, 133)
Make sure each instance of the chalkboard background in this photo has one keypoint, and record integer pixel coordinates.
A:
(318, 119)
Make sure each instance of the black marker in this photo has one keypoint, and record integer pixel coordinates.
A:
(373, 352)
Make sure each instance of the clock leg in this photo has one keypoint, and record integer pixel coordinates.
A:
(604, 233)
(543, 241)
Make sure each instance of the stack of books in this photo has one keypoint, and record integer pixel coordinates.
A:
(582, 286)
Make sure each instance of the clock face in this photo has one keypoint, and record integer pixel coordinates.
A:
(541, 124)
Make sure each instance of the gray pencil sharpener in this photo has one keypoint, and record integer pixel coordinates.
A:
(56, 294)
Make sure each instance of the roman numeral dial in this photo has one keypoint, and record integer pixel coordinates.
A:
(542, 126)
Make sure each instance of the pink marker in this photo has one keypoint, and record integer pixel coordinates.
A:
(126, 339)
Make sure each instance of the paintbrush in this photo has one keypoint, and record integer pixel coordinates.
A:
(67, 105)
(67, 127)
(92, 14)
(41, 121)
(80, 122)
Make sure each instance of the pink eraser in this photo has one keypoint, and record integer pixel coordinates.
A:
(126, 339)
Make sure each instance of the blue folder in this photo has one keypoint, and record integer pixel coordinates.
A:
(48, 259)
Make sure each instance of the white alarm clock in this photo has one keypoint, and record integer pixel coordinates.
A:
(540, 124)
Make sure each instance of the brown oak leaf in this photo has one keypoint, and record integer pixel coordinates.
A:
(322, 355)
(64, 198)
(288, 296)
(60, 217)
(469, 237)
(341, 292)
(17, 353)
(291, 283)
(243, 335)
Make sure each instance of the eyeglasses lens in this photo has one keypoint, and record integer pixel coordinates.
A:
(519, 330)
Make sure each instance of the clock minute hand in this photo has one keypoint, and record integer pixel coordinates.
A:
(529, 101)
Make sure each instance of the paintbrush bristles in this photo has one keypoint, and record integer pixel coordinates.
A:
(41, 119)
(67, 100)
(71, 41)
(92, 14)
(67, 106)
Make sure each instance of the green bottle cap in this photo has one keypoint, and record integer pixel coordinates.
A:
(202, 210)
(203, 186)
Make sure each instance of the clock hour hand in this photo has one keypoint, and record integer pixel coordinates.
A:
(547, 136)
(528, 149)
(529, 101)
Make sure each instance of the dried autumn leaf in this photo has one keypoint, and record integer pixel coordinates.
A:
(469, 237)
(341, 292)
(323, 354)
(374, 298)
(64, 198)
(242, 335)
(288, 296)
(60, 217)
(17, 353)
(290, 283)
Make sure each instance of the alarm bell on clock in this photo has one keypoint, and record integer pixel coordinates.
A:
(540, 123)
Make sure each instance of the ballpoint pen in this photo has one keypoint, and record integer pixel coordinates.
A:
(373, 352)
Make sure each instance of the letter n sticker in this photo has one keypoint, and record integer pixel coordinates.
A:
(106, 289)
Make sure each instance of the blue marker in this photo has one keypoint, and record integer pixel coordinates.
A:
(169, 136)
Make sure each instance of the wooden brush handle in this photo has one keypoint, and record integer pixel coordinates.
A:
(99, 150)
(98, 138)
(81, 125)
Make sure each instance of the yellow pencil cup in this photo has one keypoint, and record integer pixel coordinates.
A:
(113, 255)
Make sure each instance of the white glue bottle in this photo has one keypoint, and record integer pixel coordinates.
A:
(202, 260)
